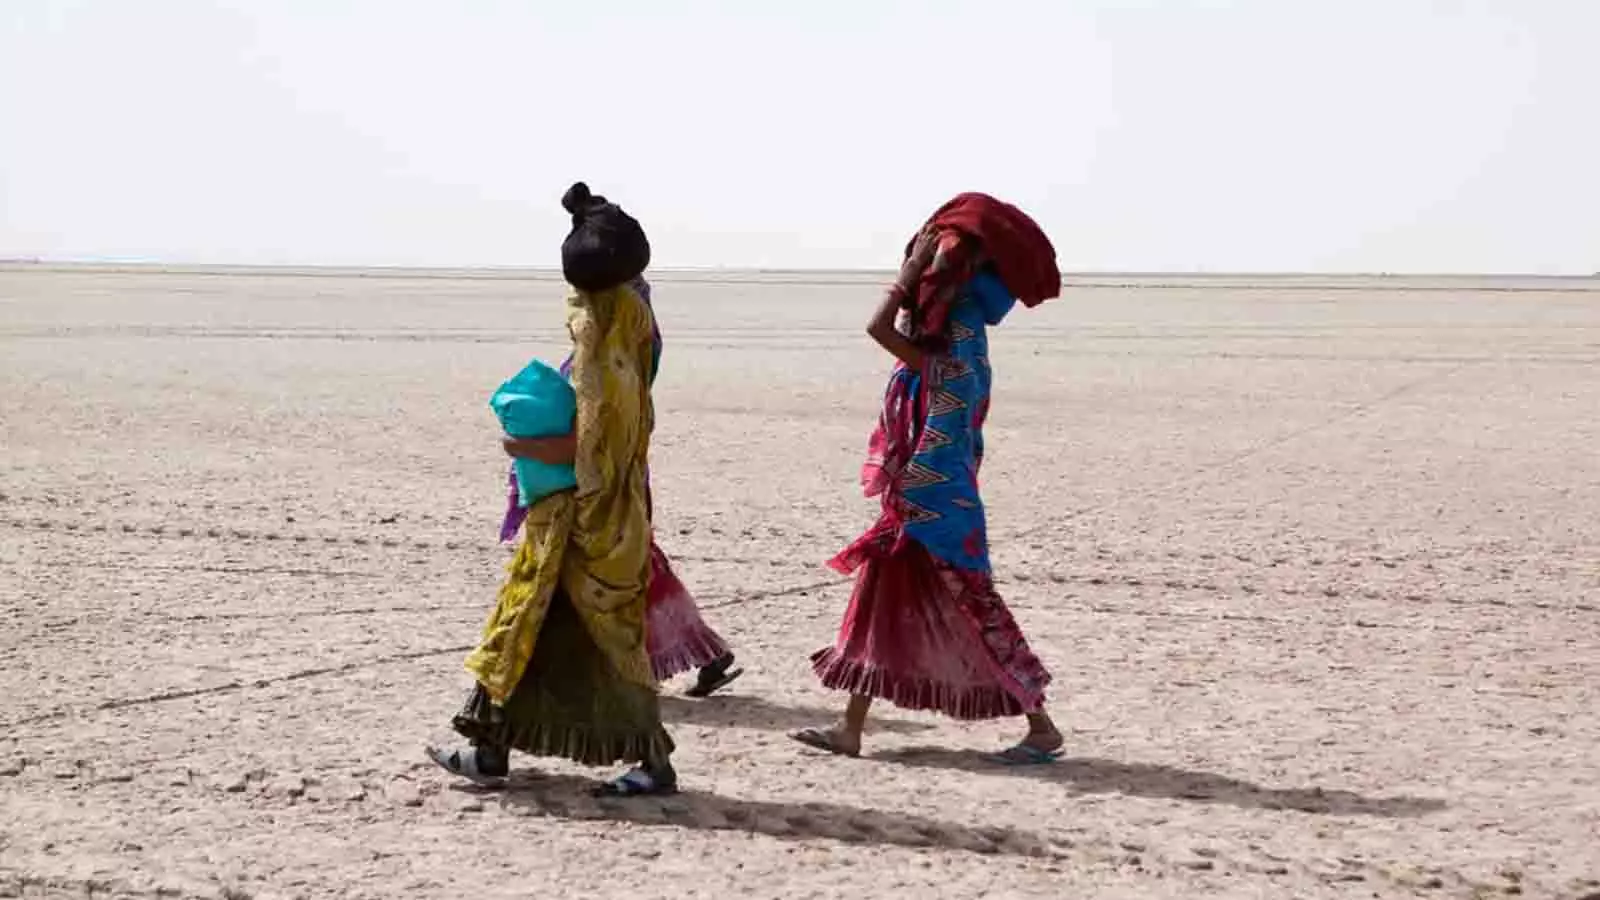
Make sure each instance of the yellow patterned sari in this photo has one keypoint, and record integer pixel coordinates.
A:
(562, 668)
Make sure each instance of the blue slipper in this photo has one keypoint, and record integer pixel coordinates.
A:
(639, 782)
(1023, 755)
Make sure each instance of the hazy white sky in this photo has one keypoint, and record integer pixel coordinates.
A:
(1400, 135)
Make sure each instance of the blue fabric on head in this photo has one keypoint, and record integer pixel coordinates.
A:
(991, 295)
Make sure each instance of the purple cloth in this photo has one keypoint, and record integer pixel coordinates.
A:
(515, 511)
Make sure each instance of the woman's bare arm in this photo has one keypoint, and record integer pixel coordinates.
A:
(560, 450)
(884, 330)
(883, 327)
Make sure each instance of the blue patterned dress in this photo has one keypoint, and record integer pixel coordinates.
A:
(925, 628)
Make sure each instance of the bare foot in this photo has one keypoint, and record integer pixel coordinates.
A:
(1044, 741)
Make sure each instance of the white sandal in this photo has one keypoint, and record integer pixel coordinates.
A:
(464, 762)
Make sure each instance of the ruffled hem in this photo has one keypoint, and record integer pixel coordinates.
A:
(693, 651)
(924, 635)
(971, 703)
(676, 636)
(481, 722)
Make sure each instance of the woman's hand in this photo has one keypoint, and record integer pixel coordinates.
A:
(923, 249)
(560, 450)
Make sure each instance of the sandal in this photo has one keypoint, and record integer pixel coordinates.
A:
(1023, 755)
(825, 740)
(639, 782)
(467, 764)
(714, 678)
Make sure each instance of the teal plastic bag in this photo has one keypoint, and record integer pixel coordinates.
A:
(537, 402)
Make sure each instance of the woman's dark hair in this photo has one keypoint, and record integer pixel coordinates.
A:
(606, 247)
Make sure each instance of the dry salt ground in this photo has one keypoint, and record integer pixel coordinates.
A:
(1316, 563)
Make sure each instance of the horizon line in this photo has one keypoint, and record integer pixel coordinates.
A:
(551, 273)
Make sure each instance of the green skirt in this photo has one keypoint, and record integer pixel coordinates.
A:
(570, 703)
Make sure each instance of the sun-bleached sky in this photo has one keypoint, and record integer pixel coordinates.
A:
(1305, 135)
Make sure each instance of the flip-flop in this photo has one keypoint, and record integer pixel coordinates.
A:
(1023, 755)
(819, 739)
(704, 688)
(637, 782)
(464, 763)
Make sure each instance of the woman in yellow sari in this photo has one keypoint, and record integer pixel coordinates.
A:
(563, 669)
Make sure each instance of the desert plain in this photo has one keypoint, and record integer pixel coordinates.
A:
(1315, 562)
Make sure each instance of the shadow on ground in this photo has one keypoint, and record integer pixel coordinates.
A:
(733, 711)
(1104, 776)
(568, 797)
